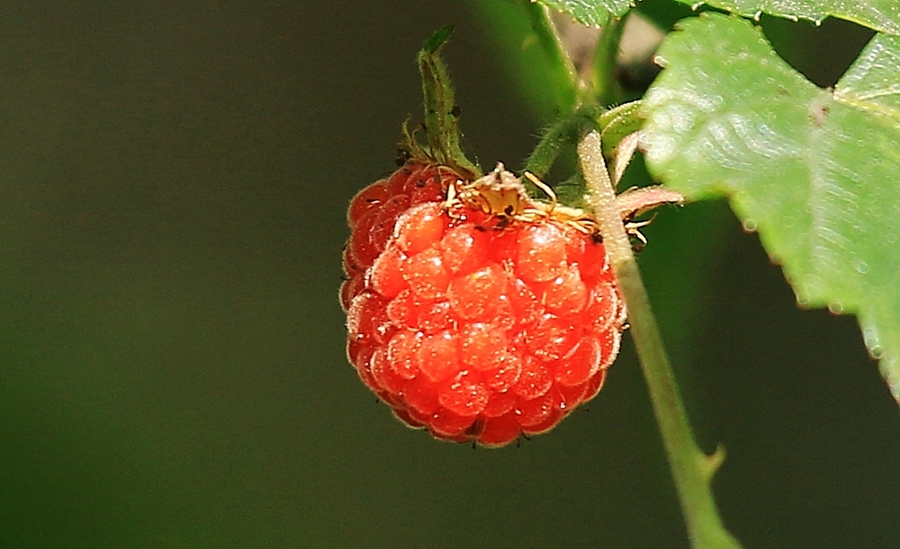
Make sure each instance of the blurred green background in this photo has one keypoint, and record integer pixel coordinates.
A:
(173, 181)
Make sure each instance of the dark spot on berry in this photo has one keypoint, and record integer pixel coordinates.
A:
(476, 428)
(456, 111)
(403, 156)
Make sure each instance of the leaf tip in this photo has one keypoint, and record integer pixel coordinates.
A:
(438, 39)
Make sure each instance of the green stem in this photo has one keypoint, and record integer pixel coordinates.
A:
(603, 78)
(568, 130)
(617, 123)
(564, 81)
(692, 470)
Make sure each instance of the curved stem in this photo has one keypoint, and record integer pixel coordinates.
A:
(566, 131)
(564, 80)
(691, 468)
(603, 79)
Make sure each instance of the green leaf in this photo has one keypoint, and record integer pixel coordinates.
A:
(816, 173)
(589, 12)
(881, 15)
(438, 39)
(441, 113)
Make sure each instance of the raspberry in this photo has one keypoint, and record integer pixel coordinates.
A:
(373, 213)
(476, 324)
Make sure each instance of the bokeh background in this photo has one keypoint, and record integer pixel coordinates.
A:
(173, 181)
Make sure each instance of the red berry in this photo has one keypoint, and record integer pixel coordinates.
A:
(475, 324)
(366, 200)
(373, 212)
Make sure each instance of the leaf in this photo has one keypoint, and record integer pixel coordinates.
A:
(816, 173)
(881, 15)
(441, 112)
(590, 12)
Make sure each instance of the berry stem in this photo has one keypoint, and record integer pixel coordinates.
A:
(568, 130)
(692, 470)
(615, 124)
